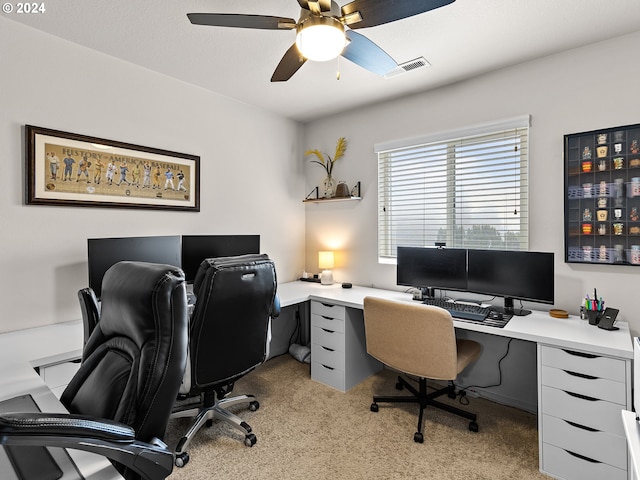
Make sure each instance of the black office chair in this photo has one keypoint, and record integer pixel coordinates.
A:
(90, 309)
(229, 337)
(120, 399)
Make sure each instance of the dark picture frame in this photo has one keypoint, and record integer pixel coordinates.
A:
(602, 196)
(69, 169)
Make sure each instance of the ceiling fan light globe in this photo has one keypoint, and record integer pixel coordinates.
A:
(321, 39)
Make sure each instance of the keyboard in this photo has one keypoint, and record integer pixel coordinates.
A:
(469, 313)
(462, 311)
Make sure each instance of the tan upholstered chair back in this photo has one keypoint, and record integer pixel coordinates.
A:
(414, 338)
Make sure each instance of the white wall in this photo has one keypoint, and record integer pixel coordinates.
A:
(579, 90)
(251, 172)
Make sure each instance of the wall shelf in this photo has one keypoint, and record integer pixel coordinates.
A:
(334, 199)
(355, 195)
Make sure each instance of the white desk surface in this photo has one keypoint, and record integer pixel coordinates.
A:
(632, 432)
(22, 350)
(539, 327)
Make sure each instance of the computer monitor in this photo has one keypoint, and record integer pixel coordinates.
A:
(514, 275)
(195, 248)
(102, 253)
(430, 268)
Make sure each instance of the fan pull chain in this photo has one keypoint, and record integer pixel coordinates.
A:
(338, 72)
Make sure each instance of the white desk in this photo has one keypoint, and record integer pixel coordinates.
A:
(539, 327)
(21, 351)
(632, 431)
(584, 381)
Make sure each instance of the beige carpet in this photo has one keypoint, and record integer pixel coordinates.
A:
(307, 430)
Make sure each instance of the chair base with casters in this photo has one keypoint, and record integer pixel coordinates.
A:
(214, 408)
(425, 399)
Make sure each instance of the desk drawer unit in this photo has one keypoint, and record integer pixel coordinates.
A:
(581, 396)
(338, 353)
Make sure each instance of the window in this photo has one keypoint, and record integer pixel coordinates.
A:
(467, 189)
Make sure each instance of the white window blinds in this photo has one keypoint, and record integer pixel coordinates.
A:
(465, 189)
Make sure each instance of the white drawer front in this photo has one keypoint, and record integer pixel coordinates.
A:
(329, 323)
(327, 310)
(598, 414)
(328, 357)
(595, 445)
(601, 388)
(563, 464)
(601, 367)
(327, 338)
(327, 375)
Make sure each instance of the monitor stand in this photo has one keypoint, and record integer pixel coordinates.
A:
(508, 309)
(428, 292)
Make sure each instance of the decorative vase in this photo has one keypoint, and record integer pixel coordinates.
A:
(342, 190)
(329, 187)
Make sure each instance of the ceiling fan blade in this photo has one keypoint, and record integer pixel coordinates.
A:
(367, 54)
(378, 12)
(290, 64)
(241, 21)
(304, 4)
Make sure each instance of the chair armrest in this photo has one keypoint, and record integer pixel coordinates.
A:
(113, 440)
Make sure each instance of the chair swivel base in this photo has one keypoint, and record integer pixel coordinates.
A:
(206, 415)
(425, 399)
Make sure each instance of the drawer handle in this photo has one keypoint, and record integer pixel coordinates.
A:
(328, 305)
(583, 397)
(581, 375)
(329, 349)
(577, 425)
(582, 457)
(327, 367)
(329, 331)
(327, 318)
(580, 354)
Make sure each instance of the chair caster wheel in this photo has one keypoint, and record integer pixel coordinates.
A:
(418, 437)
(209, 423)
(374, 407)
(250, 440)
(399, 386)
(452, 395)
(473, 426)
(255, 405)
(181, 459)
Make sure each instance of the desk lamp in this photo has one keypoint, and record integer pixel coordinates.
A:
(325, 262)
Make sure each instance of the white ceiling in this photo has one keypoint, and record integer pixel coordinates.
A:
(461, 40)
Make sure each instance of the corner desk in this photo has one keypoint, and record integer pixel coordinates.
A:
(584, 375)
(583, 382)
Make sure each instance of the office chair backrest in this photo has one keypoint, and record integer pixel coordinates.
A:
(133, 362)
(414, 338)
(90, 309)
(230, 323)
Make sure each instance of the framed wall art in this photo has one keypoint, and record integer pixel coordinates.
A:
(602, 196)
(77, 170)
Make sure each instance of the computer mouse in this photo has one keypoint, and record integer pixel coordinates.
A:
(493, 315)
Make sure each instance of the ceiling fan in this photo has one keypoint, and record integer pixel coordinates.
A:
(321, 34)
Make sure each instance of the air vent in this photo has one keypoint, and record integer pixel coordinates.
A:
(409, 66)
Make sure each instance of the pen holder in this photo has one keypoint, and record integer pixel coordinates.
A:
(594, 316)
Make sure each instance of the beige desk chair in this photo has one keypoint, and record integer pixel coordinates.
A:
(418, 340)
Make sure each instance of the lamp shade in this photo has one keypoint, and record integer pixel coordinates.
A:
(325, 260)
(320, 38)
